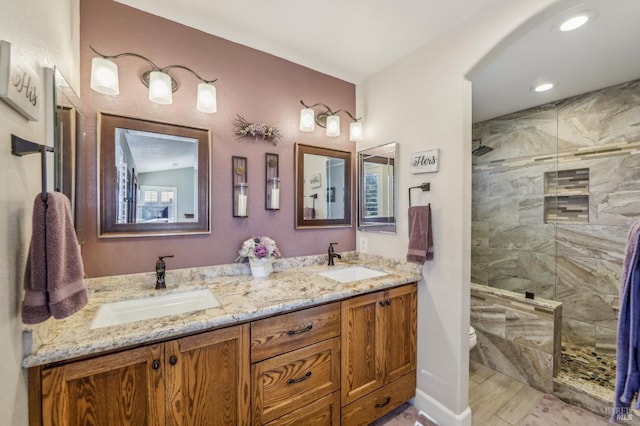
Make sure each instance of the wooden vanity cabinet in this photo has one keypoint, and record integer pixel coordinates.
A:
(378, 353)
(346, 362)
(194, 380)
(296, 367)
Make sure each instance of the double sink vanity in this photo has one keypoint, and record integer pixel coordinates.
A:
(311, 344)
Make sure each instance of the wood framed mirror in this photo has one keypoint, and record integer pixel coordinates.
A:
(323, 187)
(377, 175)
(153, 179)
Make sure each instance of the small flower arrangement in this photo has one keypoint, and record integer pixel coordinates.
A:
(242, 128)
(258, 247)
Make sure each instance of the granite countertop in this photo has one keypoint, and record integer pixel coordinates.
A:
(293, 285)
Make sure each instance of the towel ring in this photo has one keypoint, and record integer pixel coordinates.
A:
(424, 187)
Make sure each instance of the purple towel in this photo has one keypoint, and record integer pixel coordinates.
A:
(420, 235)
(628, 345)
(53, 280)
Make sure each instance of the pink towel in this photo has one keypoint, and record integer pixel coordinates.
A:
(420, 235)
(309, 213)
(53, 280)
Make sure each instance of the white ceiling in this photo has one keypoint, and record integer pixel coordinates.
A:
(354, 39)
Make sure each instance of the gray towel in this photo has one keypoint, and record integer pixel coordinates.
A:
(53, 280)
(420, 235)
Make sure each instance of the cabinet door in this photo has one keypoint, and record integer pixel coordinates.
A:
(208, 378)
(398, 312)
(361, 347)
(125, 388)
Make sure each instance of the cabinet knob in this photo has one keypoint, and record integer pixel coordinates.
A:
(388, 302)
(382, 404)
(155, 364)
(173, 360)
(385, 302)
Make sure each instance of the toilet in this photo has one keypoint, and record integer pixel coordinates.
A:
(472, 338)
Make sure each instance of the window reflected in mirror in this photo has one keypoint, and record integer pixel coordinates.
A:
(377, 189)
(154, 178)
(323, 187)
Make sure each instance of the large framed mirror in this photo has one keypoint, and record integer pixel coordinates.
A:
(154, 178)
(323, 187)
(377, 188)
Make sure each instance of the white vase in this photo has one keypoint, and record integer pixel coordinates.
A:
(260, 267)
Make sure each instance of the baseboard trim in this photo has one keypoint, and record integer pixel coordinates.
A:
(441, 414)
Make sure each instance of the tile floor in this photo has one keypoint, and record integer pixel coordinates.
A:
(498, 400)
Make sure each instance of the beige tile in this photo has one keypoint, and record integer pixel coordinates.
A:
(490, 395)
(478, 373)
(520, 405)
(493, 421)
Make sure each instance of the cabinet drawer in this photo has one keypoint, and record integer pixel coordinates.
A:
(323, 412)
(378, 403)
(276, 335)
(290, 381)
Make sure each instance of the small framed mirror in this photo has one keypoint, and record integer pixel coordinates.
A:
(67, 128)
(154, 178)
(323, 187)
(377, 189)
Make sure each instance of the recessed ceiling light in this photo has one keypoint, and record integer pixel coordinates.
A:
(543, 87)
(574, 23)
(576, 20)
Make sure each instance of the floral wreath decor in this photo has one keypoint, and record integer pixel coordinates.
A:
(242, 128)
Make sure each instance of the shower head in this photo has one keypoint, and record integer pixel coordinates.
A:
(481, 149)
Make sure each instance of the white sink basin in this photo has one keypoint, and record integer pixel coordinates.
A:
(352, 273)
(127, 311)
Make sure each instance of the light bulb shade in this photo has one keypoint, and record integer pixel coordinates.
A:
(160, 90)
(207, 101)
(333, 125)
(104, 76)
(307, 120)
(355, 131)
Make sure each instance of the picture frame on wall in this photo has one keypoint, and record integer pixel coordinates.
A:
(315, 180)
(20, 86)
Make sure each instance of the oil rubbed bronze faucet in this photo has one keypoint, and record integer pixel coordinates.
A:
(160, 269)
(332, 254)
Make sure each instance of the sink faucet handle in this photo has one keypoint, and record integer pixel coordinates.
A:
(332, 253)
(160, 269)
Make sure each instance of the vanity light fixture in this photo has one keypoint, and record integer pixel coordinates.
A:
(104, 79)
(328, 119)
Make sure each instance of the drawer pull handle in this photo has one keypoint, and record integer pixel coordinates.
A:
(300, 331)
(301, 379)
(382, 404)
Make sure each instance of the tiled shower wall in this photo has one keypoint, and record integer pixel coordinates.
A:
(578, 264)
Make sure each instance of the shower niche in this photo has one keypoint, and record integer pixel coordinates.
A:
(566, 196)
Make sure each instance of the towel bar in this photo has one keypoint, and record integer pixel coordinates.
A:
(424, 187)
(21, 147)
